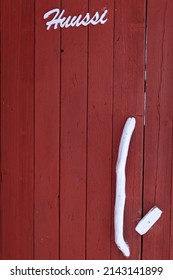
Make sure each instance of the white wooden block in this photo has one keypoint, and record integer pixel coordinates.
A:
(148, 220)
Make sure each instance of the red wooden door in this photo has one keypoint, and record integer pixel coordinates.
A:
(65, 96)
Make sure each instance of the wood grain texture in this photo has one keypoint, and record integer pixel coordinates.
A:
(73, 136)
(17, 133)
(47, 127)
(159, 137)
(100, 89)
(65, 97)
(128, 102)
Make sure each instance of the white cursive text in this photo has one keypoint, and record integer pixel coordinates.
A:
(60, 20)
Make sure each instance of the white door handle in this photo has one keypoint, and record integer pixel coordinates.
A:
(120, 186)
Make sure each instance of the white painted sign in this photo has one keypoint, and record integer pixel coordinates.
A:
(74, 21)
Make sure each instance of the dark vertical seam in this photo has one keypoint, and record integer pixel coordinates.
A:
(158, 100)
(145, 100)
(159, 115)
(87, 97)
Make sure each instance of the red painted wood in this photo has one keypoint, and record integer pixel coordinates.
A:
(128, 101)
(64, 102)
(17, 136)
(158, 140)
(100, 83)
(73, 136)
(47, 126)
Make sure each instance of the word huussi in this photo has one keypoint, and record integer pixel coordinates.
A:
(59, 19)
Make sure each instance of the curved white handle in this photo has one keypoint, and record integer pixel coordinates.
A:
(120, 186)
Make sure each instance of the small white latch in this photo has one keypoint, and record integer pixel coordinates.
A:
(148, 220)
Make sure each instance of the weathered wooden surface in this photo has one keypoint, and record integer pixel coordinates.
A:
(128, 101)
(73, 136)
(65, 97)
(99, 134)
(47, 134)
(158, 131)
(17, 129)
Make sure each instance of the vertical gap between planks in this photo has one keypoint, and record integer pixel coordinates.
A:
(145, 101)
(86, 201)
(59, 195)
(112, 171)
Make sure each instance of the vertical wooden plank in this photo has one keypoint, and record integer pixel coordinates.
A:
(128, 101)
(100, 86)
(158, 139)
(47, 106)
(17, 137)
(73, 135)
